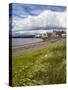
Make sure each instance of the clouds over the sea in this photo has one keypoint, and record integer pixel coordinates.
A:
(35, 17)
(45, 19)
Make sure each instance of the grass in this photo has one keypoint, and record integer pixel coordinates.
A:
(44, 66)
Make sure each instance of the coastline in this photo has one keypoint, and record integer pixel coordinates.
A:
(21, 49)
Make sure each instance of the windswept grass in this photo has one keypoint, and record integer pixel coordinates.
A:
(45, 66)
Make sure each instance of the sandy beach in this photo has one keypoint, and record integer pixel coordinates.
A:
(20, 50)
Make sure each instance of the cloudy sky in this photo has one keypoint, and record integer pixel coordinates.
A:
(34, 17)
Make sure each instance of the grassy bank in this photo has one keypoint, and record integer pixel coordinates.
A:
(44, 66)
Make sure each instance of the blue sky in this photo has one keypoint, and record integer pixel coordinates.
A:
(21, 11)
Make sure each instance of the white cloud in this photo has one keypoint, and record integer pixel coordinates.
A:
(46, 18)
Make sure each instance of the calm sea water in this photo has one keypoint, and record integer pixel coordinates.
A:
(22, 41)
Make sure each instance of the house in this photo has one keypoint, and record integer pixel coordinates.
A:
(63, 35)
(41, 35)
(37, 35)
(44, 35)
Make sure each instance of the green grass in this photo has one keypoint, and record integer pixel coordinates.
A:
(44, 66)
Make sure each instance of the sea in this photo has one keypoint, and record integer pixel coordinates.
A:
(23, 41)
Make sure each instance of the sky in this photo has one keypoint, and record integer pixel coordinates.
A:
(35, 17)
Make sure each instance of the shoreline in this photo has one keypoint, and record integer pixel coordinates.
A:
(21, 49)
(17, 46)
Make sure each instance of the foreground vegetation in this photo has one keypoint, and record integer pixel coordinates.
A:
(44, 66)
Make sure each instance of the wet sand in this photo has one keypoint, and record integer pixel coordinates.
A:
(20, 50)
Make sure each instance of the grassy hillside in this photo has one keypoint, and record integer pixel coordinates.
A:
(44, 66)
